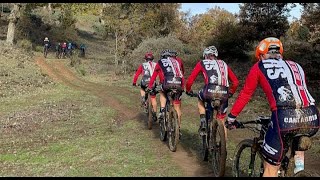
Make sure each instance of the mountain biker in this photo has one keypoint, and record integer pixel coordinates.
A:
(146, 69)
(292, 106)
(82, 49)
(69, 47)
(64, 47)
(46, 42)
(216, 74)
(170, 71)
(58, 49)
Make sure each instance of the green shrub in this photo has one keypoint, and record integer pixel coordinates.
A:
(156, 45)
(25, 44)
(39, 48)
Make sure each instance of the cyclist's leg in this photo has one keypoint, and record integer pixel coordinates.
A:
(153, 101)
(177, 105)
(202, 111)
(163, 101)
(272, 149)
(142, 93)
(222, 112)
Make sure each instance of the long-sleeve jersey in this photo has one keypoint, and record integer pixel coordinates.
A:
(147, 69)
(283, 82)
(168, 69)
(215, 72)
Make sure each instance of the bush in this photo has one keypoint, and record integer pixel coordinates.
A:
(25, 44)
(39, 49)
(230, 42)
(156, 45)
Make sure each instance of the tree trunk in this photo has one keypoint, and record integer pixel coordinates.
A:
(13, 19)
(50, 8)
(101, 14)
(115, 54)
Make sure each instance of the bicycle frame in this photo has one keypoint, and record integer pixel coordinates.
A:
(287, 163)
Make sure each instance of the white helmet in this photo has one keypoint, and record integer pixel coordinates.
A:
(46, 38)
(210, 50)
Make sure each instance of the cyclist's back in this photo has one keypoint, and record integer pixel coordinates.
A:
(170, 73)
(293, 109)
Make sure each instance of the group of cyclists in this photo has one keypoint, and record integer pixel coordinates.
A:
(64, 49)
(283, 82)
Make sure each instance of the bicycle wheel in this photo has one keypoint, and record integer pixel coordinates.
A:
(204, 147)
(45, 52)
(303, 173)
(150, 117)
(218, 148)
(173, 129)
(162, 126)
(245, 162)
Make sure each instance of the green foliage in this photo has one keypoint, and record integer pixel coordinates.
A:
(264, 19)
(25, 44)
(156, 45)
(230, 42)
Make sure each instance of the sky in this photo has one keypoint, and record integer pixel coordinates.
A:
(199, 8)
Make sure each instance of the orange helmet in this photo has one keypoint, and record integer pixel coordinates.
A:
(267, 44)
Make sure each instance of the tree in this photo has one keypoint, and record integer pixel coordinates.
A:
(265, 19)
(13, 19)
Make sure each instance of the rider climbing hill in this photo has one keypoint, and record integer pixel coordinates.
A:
(146, 69)
(216, 74)
(293, 108)
(170, 71)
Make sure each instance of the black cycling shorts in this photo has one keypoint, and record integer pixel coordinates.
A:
(286, 122)
(210, 92)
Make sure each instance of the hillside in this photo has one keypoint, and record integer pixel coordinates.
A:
(59, 120)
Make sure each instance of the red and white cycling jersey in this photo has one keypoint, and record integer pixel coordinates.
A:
(214, 72)
(146, 69)
(170, 70)
(282, 81)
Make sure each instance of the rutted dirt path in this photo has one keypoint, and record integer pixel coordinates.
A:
(60, 73)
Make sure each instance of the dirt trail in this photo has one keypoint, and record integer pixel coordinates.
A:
(60, 73)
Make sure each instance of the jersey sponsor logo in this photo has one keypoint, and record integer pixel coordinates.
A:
(285, 94)
(274, 69)
(213, 79)
(268, 148)
(217, 90)
(295, 120)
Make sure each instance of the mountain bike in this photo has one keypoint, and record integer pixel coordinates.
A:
(248, 161)
(213, 142)
(152, 117)
(169, 125)
(45, 50)
(148, 108)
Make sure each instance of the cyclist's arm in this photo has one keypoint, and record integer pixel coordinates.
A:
(193, 76)
(138, 72)
(248, 89)
(234, 80)
(156, 71)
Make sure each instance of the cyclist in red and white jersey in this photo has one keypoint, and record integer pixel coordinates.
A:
(170, 70)
(216, 75)
(146, 69)
(292, 106)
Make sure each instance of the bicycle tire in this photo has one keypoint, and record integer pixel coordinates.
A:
(162, 127)
(219, 151)
(204, 150)
(45, 53)
(150, 117)
(173, 130)
(246, 143)
(303, 173)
